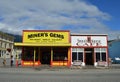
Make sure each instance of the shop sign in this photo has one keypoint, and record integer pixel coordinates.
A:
(46, 37)
(89, 40)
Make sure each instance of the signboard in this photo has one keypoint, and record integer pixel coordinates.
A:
(89, 41)
(46, 37)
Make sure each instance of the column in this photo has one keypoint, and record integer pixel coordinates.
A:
(69, 57)
(38, 53)
(34, 56)
(51, 56)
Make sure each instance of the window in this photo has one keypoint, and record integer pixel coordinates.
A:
(28, 54)
(60, 54)
(74, 50)
(100, 54)
(80, 56)
(74, 56)
(103, 49)
(77, 54)
(97, 56)
(103, 56)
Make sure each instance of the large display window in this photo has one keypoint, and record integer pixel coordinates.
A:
(100, 54)
(28, 54)
(60, 54)
(77, 54)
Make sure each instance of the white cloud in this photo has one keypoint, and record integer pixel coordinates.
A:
(52, 14)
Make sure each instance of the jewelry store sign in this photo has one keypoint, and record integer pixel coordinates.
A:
(46, 37)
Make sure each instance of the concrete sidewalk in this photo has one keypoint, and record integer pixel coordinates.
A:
(8, 62)
(114, 66)
(28, 70)
(17, 70)
(20, 69)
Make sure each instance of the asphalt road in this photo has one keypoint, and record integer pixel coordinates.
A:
(81, 75)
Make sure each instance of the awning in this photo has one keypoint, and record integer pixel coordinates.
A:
(38, 44)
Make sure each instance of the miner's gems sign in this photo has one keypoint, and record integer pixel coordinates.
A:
(46, 36)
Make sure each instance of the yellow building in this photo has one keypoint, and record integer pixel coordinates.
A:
(51, 47)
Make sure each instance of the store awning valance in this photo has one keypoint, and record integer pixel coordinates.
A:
(38, 44)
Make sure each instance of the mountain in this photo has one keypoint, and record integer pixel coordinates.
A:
(17, 38)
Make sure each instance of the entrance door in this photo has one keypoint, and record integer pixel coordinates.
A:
(89, 56)
(45, 57)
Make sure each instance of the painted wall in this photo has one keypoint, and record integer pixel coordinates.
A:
(114, 51)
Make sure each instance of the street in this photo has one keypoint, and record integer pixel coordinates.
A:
(70, 75)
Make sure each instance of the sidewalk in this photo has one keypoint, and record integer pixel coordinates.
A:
(115, 66)
(8, 62)
(17, 70)
(46, 68)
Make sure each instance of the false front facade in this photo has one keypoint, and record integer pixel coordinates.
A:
(89, 50)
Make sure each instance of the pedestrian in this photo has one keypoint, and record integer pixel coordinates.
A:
(12, 60)
(4, 62)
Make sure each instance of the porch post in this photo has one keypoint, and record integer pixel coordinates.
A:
(84, 58)
(95, 63)
(51, 56)
(34, 56)
(39, 54)
(69, 57)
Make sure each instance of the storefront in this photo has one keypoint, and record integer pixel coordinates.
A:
(49, 47)
(89, 50)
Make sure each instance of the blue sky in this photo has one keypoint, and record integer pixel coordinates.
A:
(112, 8)
(78, 16)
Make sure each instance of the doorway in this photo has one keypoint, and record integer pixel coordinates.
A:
(89, 56)
(45, 55)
